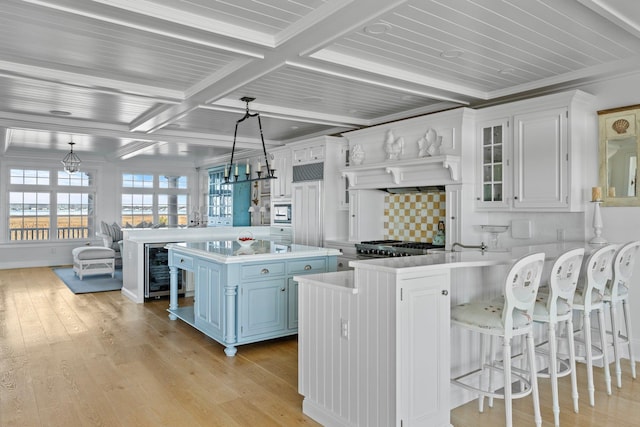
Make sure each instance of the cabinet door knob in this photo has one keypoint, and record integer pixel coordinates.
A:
(307, 267)
(445, 292)
(282, 289)
(264, 271)
(516, 197)
(181, 260)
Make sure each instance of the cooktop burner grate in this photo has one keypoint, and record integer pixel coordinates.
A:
(393, 248)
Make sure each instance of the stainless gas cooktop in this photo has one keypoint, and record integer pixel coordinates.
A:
(393, 248)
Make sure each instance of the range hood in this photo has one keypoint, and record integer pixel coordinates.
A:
(405, 176)
(420, 189)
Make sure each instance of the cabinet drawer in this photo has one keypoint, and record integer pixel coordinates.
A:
(182, 261)
(262, 270)
(307, 266)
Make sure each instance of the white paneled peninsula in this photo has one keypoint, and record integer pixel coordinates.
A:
(375, 344)
(244, 294)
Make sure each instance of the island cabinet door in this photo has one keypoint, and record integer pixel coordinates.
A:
(208, 298)
(262, 309)
(422, 331)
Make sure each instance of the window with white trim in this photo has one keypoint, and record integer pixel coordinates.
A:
(154, 199)
(49, 204)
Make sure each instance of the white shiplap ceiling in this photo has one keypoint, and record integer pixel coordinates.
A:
(152, 78)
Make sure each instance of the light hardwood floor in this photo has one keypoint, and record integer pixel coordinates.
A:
(101, 360)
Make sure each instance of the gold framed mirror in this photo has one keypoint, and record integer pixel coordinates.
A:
(619, 145)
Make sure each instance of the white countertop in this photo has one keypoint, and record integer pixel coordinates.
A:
(163, 235)
(342, 280)
(468, 257)
(449, 260)
(230, 251)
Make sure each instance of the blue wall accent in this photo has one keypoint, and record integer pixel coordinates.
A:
(241, 201)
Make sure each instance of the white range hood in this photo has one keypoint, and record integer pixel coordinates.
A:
(418, 172)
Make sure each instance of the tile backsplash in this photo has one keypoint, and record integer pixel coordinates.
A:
(413, 216)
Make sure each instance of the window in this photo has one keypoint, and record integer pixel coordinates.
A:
(220, 210)
(154, 199)
(46, 208)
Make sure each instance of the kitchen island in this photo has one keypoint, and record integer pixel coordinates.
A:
(375, 346)
(244, 293)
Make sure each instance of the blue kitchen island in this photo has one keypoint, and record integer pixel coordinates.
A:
(243, 293)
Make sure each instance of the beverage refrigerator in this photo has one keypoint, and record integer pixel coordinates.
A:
(156, 271)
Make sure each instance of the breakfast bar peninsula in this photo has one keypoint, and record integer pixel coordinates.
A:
(244, 290)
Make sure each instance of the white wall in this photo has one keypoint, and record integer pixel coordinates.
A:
(621, 224)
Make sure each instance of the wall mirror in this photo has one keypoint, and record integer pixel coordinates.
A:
(619, 145)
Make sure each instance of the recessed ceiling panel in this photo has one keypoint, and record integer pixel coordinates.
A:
(59, 141)
(223, 123)
(45, 37)
(488, 45)
(308, 90)
(268, 16)
(182, 151)
(34, 97)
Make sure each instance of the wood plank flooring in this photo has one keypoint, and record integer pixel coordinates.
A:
(101, 360)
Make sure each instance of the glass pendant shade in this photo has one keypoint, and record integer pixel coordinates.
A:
(71, 161)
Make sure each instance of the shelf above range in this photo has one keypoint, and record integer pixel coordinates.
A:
(436, 170)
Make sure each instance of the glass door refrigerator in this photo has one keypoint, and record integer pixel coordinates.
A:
(156, 271)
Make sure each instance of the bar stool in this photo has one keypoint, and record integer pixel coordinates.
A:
(595, 274)
(509, 320)
(617, 291)
(553, 308)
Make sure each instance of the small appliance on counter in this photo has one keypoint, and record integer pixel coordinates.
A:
(439, 237)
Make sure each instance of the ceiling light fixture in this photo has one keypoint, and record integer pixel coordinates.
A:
(59, 113)
(451, 54)
(71, 161)
(377, 28)
(227, 170)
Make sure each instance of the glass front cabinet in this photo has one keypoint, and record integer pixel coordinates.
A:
(494, 169)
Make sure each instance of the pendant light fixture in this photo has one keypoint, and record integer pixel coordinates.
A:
(234, 178)
(71, 161)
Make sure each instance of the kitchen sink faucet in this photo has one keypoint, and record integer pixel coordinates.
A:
(482, 246)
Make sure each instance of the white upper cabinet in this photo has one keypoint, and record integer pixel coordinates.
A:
(530, 153)
(281, 163)
(541, 160)
(308, 155)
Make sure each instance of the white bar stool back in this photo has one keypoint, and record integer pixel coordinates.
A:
(617, 291)
(554, 305)
(511, 319)
(596, 272)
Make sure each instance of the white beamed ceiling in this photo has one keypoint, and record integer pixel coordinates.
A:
(150, 78)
